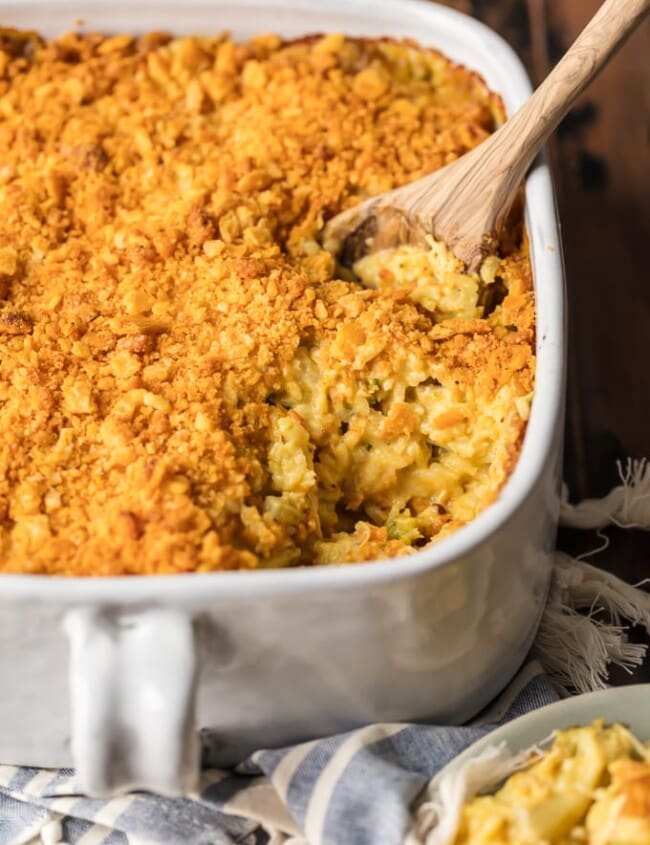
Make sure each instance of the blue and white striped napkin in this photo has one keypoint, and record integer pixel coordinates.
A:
(356, 788)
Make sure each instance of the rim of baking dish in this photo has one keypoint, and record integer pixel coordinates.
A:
(504, 72)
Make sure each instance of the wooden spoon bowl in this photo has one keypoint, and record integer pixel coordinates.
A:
(464, 204)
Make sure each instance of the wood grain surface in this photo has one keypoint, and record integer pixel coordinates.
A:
(602, 178)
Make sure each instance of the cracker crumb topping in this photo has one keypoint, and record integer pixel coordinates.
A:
(186, 382)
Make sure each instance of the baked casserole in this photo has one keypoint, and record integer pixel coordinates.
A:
(188, 382)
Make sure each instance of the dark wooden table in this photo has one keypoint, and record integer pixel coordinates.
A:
(602, 178)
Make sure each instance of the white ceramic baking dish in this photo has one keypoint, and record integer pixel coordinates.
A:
(117, 676)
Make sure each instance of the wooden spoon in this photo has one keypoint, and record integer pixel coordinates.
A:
(464, 204)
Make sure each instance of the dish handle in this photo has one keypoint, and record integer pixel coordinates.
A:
(132, 691)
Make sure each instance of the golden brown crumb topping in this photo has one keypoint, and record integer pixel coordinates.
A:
(185, 384)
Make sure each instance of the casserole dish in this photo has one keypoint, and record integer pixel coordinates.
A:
(269, 657)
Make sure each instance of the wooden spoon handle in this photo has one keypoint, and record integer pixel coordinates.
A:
(524, 134)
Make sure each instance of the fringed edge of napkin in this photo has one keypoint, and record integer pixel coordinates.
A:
(627, 506)
(575, 648)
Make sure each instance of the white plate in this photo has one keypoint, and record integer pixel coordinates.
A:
(628, 705)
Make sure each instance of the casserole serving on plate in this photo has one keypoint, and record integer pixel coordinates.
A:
(301, 652)
(590, 786)
(593, 780)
